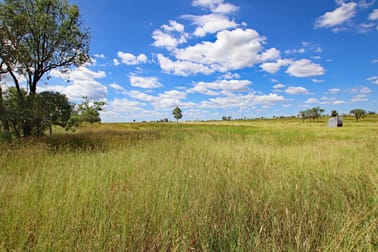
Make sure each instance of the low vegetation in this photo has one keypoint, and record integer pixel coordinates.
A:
(263, 185)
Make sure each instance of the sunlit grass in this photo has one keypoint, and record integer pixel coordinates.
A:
(258, 185)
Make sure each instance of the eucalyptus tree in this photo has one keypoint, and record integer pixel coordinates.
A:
(37, 36)
(358, 113)
(177, 113)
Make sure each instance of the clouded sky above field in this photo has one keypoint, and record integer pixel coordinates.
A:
(238, 58)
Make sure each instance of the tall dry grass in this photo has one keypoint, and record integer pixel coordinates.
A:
(244, 186)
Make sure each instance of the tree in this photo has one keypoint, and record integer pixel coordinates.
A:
(177, 113)
(37, 36)
(50, 108)
(312, 114)
(316, 112)
(86, 112)
(55, 109)
(358, 113)
(334, 113)
(303, 115)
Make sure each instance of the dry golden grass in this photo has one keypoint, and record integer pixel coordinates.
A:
(267, 185)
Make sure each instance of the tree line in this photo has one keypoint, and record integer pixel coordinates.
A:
(314, 113)
(20, 118)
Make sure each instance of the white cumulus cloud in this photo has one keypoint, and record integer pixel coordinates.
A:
(274, 67)
(373, 79)
(211, 23)
(170, 35)
(338, 16)
(182, 68)
(82, 83)
(296, 90)
(131, 59)
(305, 68)
(374, 15)
(144, 82)
(216, 6)
(311, 101)
(232, 50)
(220, 86)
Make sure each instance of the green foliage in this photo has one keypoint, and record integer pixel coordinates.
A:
(23, 113)
(177, 113)
(85, 112)
(358, 113)
(37, 36)
(311, 114)
(334, 113)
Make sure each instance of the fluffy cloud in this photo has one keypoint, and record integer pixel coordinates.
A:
(166, 100)
(299, 68)
(268, 100)
(296, 90)
(130, 59)
(334, 90)
(211, 23)
(144, 82)
(242, 101)
(305, 68)
(170, 36)
(337, 17)
(331, 100)
(117, 87)
(274, 67)
(232, 50)
(311, 101)
(374, 15)
(82, 83)
(220, 86)
(216, 6)
(182, 68)
(278, 86)
(317, 81)
(124, 106)
(270, 54)
(373, 80)
(360, 98)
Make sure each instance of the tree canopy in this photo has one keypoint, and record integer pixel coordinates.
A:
(85, 112)
(311, 114)
(37, 36)
(177, 113)
(50, 108)
(358, 113)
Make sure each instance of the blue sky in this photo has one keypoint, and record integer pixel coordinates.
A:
(214, 58)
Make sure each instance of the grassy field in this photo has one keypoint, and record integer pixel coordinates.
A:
(264, 185)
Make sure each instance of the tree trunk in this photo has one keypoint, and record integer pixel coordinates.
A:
(50, 129)
(27, 129)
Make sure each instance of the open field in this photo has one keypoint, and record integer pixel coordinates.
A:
(264, 185)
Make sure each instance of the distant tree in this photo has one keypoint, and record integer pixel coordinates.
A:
(177, 113)
(303, 114)
(371, 113)
(37, 36)
(86, 112)
(311, 114)
(334, 113)
(316, 112)
(358, 113)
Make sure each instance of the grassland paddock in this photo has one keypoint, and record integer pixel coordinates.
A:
(264, 185)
